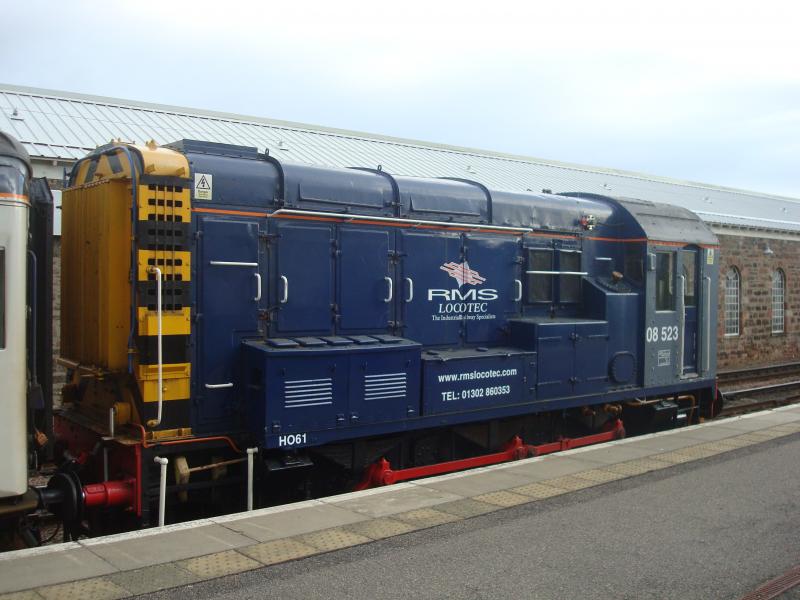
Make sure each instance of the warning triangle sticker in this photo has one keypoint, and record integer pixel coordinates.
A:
(203, 186)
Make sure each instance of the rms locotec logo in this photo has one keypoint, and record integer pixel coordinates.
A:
(455, 304)
(462, 273)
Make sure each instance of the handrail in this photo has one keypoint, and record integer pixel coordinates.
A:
(157, 421)
(34, 313)
(556, 272)
(313, 213)
(391, 289)
(228, 263)
(410, 283)
(219, 386)
(285, 298)
(682, 317)
(707, 356)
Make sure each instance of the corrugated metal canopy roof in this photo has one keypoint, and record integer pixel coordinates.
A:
(63, 125)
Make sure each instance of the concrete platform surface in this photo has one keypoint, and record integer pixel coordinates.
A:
(150, 560)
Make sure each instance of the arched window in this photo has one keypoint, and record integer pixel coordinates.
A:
(732, 286)
(778, 301)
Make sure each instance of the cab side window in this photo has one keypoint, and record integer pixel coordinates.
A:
(665, 281)
(634, 264)
(540, 281)
(569, 285)
(553, 277)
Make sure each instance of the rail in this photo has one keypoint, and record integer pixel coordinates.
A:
(763, 388)
(772, 371)
(762, 397)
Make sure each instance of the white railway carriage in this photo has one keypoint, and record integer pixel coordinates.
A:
(14, 206)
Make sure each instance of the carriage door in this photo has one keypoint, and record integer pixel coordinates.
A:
(688, 279)
(303, 291)
(365, 290)
(431, 263)
(495, 291)
(229, 298)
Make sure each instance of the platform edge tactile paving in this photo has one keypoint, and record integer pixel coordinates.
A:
(334, 538)
(539, 490)
(675, 457)
(153, 578)
(24, 595)
(467, 508)
(96, 588)
(714, 448)
(423, 518)
(503, 499)
(788, 428)
(570, 482)
(600, 475)
(219, 564)
(734, 443)
(753, 437)
(769, 434)
(278, 551)
(699, 451)
(380, 528)
(639, 466)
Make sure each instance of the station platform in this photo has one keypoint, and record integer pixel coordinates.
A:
(156, 559)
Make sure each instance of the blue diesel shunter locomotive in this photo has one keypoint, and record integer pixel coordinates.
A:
(334, 316)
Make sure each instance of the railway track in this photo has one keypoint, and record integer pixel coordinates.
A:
(768, 373)
(759, 388)
(744, 400)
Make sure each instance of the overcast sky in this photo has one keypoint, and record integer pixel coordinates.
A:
(705, 91)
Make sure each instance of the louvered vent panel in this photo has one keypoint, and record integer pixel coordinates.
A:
(302, 393)
(384, 386)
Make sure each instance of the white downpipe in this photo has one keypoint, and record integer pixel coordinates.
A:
(157, 421)
(162, 489)
(250, 453)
